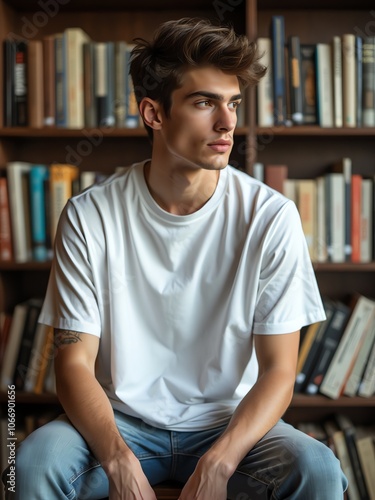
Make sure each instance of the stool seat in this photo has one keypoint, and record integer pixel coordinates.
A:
(168, 490)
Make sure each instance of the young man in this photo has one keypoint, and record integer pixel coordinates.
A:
(166, 278)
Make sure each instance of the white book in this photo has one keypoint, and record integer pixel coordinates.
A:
(17, 172)
(13, 345)
(344, 457)
(337, 81)
(342, 362)
(366, 453)
(265, 88)
(366, 221)
(355, 377)
(349, 80)
(258, 171)
(335, 216)
(74, 38)
(367, 385)
(321, 231)
(324, 78)
(290, 189)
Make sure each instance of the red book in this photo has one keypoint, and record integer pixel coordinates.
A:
(356, 217)
(275, 175)
(6, 249)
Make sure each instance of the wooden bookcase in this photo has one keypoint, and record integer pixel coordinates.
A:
(307, 150)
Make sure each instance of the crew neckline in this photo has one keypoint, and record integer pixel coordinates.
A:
(154, 207)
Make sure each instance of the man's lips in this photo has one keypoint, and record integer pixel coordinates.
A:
(220, 146)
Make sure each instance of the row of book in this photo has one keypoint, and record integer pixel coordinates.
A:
(32, 197)
(326, 84)
(27, 350)
(337, 356)
(336, 209)
(68, 80)
(354, 446)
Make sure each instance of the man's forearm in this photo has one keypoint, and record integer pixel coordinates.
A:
(257, 413)
(89, 410)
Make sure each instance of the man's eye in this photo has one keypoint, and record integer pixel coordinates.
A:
(234, 105)
(203, 104)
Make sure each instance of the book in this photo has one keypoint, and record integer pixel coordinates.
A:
(344, 167)
(89, 84)
(17, 174)
(74, 39)
(324, 79)
(355, 377)
(121, 81)
(13, 344)
(343, 360)
(366, 220)
(365, 444)
(335, 216)
(337, 81)
(24, 352)
(329, 343)
(306, 203)
(315, 348)
(347, 426)
(61, 112)
(368, 69)
(278, 67)
(367, 385)
(9, 65)
(358, 80)
(305, 344)
(321, 220)
(308, 77)
(349, 80)
(6, 245)
(49, 90)
(337, 437)
(105, 83)
(35, 84)
(37, 360)
(62, 177)
(356, 217)
(39, 175)
(265, 86)
(295, 79)
(275, 175)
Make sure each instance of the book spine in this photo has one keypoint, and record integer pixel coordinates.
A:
(264, 88)
(368, 68)
(335, 216)
(294, 57)
(38, 176)
(20, 85)
(366, 220)
(349, 80)
(89, 84)
(356, 208)
(9, 65)
(308, 76)
(324, 80)
(359, 79)
(49, 80)
(60, 81)
(337, 81)
(275, 175)
(307, 209)
(131, 107)
(6, 247)
(35, 83)
(278, 66)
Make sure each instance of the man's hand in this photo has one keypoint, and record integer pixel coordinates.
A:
(127, 481)
(206, 482)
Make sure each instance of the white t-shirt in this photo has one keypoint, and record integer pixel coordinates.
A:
(175, 299)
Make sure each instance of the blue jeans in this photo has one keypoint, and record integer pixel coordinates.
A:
(55, 463)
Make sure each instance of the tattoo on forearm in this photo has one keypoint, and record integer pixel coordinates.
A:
(64, 337)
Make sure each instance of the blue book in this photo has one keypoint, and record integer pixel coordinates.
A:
(278, 62)
(38, 176)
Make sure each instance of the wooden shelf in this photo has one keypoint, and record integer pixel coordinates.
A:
(309, 130)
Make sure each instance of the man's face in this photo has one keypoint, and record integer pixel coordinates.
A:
(203, 115)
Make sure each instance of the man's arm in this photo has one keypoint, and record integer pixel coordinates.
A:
(82, 398)
(257, 413)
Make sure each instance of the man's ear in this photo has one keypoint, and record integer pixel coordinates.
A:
(150, 112)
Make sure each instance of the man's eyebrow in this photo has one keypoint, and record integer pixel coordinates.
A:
(212, 95)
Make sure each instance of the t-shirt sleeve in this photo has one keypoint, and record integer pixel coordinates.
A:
(71, 301)
(288, 295)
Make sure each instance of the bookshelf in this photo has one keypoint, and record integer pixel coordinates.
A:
(307, 150)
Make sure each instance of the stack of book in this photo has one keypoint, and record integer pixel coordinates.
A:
(336, 209)
(68, 80)
(337, 356)
(325, 84)
(32, 197)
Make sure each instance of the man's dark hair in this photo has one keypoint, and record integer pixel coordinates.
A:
(157, 67)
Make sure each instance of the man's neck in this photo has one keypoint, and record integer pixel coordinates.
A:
(180, 191)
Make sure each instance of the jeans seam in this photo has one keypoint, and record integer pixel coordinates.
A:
(83, 471)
